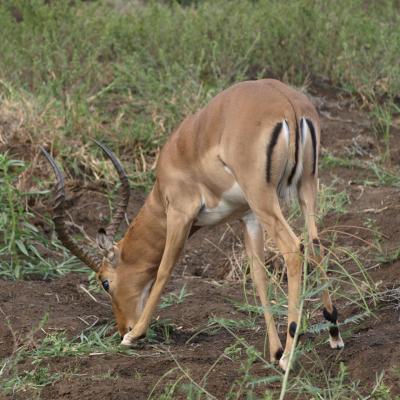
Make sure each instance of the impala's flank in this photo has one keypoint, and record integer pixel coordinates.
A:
(252, 144)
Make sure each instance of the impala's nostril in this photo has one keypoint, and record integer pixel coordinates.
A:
(129, 328)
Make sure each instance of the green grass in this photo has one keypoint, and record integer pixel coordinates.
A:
(90, 70)
(380, 175)
(93, 341)
(31, 381)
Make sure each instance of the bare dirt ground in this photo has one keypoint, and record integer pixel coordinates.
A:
(372, 346)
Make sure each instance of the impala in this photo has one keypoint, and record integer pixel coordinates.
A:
(255, 143)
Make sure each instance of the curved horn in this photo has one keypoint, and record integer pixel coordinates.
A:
(123, 192)
(59, 219)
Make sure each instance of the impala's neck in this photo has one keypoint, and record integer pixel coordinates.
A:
(144, 241)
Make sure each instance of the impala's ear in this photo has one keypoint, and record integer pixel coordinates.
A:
(104, 242)
(108, 249)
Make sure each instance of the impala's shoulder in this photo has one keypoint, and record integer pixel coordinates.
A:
(186, 126)
(179, 147)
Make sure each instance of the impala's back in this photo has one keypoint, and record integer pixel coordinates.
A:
(256, 127)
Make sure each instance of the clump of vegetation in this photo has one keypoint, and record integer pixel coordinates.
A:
(125, 74)
(22, 244)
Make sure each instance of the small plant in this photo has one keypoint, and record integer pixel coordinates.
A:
(173, 298)
(234, 352)
(331, 201)
(31, 381)
(383, 176)
(242, 385)
(94, 340)
(160, 331)
(389, 256)
(383, 120)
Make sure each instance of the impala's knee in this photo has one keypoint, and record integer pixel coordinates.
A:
(294, 263)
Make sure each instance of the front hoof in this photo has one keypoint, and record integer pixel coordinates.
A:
(284, 361)
(127, 341)
(132, 336)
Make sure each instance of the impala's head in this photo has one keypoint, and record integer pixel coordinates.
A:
(128, 293)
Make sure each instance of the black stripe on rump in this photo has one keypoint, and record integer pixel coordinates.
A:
(314, 144)
(270, 148)
(296, 156)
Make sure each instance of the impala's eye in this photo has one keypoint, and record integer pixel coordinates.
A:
(106, 285)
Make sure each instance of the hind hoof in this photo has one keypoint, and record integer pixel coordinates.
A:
(336, 342)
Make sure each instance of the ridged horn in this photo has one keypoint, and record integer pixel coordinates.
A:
(59, 219)
(123, 194)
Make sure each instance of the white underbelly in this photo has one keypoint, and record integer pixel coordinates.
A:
(231, 204)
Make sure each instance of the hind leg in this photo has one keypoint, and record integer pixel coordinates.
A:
(264, 203)
(307, 197)
(254, 243)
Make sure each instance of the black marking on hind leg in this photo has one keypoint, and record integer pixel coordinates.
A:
(301, 248)
(334, 331)
(270, 148)
(331, 317)
(296, 155)
(278, 354)
(292, 329)
(314, 144)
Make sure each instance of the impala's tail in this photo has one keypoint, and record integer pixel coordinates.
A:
(300, 157)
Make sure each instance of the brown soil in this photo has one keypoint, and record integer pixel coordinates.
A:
(208, 269)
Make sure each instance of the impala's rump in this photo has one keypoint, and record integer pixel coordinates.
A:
(303, 160)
